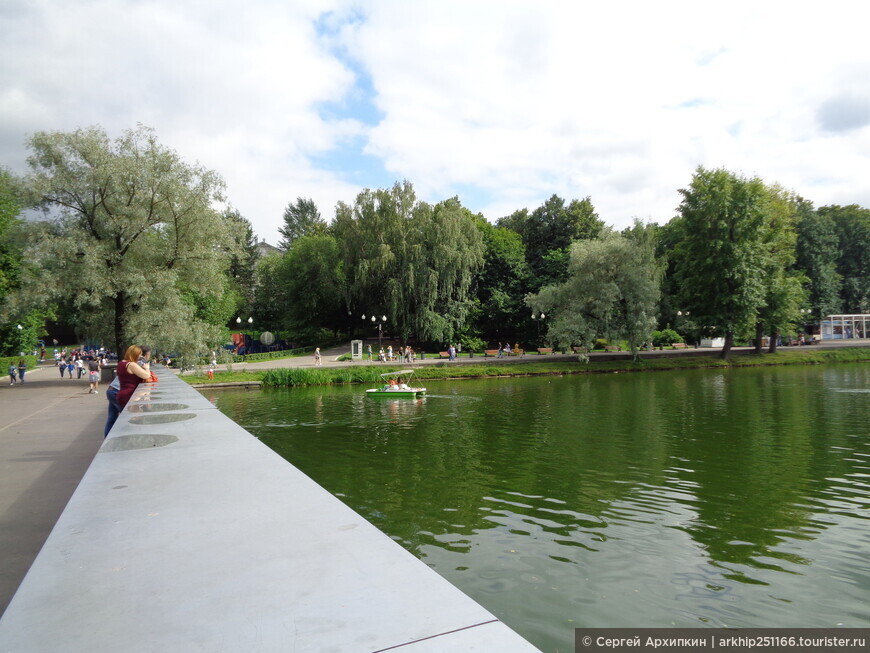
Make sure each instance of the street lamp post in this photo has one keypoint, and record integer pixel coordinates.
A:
(380, 324)
(539, 318)
(239, 323)
(20, 340)
(687, 314)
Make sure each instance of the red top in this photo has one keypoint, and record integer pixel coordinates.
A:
(129, 381)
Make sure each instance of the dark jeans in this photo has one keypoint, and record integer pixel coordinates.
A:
(114, 409)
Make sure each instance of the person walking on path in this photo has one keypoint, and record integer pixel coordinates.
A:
(94, 375)
(70, 367)
(62, 367)
(80, 367)
(12, 372)
(317, 356)
(22, 368)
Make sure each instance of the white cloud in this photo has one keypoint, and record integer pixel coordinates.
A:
(505, 102)
(618, 102)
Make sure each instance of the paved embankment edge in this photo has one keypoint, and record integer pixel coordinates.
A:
(188, 534)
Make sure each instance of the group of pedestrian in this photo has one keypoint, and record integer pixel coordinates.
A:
(82, 362)
(18, 370)
(406, 353)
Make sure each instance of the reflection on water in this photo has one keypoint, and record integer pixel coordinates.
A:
(702, 498)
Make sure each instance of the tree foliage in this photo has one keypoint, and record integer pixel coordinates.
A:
(502, 284)
(312, 273)
(133, 249)
(719, 258)
(816, 251)
(783, 285)
(852, 224)
(612, 291)
(548, 231)
(10, 250)
(133, 237)
(410, 261)
(243, 259)
(301, 218)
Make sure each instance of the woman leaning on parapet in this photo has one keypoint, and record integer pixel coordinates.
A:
(134, 369)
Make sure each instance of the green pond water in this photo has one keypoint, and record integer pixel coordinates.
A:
(695, 499)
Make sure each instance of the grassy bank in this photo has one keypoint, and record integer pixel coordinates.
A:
(370, 374)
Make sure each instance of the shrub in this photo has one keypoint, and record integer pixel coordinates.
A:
(470, 343)
(665, 337)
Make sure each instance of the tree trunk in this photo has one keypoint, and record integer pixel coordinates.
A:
(759, 336)
(774, 337)
(120, 301)
(726, 350)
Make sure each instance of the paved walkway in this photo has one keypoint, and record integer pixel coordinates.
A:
(329, 356)
(50, 430)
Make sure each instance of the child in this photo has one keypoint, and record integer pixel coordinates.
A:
(12, 372)
(94, 375)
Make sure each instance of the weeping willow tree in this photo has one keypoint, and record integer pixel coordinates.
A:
(612, 291)
(132, 238)
(410, 261)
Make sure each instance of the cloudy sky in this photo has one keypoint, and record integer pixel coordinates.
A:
(502, 103)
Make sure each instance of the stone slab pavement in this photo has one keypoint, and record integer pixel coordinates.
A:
(50, 430)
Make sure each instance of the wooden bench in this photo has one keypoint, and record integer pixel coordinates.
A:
(545, 350)
(580, 350)
(518, 352)
(490, 352)
(612, 348)
(443, 354)
(679, 345)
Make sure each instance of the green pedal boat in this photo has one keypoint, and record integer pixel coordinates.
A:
(397, 386)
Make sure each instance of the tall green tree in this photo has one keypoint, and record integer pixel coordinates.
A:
(271, 298)
(301, 218)
(312, 274)
(28, 315)
(133, 236)
(612, 291)
(502, 284)
(719, 258)
(410, 261)
(243, 259)
(548, 231)
(783, 285)
(853, 263)
(817, 252)
(10, 252)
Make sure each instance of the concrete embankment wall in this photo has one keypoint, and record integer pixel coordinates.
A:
(187, 534)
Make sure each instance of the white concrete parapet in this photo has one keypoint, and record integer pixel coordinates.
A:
(191, 535)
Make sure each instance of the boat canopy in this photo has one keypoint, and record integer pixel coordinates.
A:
(397, 373)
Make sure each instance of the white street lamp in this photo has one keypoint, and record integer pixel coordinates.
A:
(380, 326)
